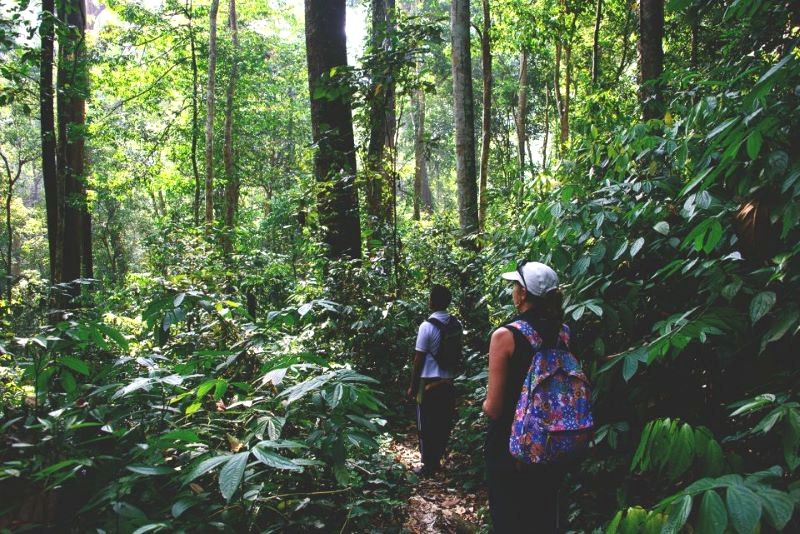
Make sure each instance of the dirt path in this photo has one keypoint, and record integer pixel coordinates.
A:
(439, 504)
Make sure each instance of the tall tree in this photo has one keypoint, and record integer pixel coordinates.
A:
(53, 193)
(596, 43)
(463, 112)
(378, 128)
(231, 207)
(651, 57)
(211, 86)
(423, 201)
(195, 106)
(72, 87)
(332, 128)
(486, 114)
(546, 124)
(522, 110)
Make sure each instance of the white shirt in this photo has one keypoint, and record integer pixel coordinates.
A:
(428, 339)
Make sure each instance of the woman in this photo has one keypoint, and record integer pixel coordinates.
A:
(522, 498)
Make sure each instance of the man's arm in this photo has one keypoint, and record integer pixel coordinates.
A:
(416, 372)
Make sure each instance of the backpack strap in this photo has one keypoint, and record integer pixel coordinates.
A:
(436, 322)
(535, 339)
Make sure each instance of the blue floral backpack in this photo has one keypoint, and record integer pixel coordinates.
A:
(553, 420)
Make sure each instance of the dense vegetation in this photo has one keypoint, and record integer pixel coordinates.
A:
(210, 291)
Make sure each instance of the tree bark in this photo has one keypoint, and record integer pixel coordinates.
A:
(231, 176)
(72, 86)
(378, 134)
(486, 114)
(11, 179)
(211, 86)
(332, 129)
(522, 111)
(563, 117)
(596, 43)
(623, 62)
(546, 125)
(422, 189)
(463, 112)
(651, 57)
(53, 194)
(195, 99)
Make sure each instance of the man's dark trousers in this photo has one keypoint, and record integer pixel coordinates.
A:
(434, 421)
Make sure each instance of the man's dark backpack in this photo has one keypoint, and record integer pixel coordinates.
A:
(449, 355)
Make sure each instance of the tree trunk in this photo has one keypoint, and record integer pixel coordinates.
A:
(212, 73)
(463, 112)
(11, 180)
(623, 62)
(596, 43)
(332, 130)
(651, 57)
(72, 85)
(422, 189)
(231, 176)
(391, 125)
(522, 111)
(563, 118)
(486, 114)
(53, 194)
(378, 134)
(694, 18)
(195, 98)
(546, 125)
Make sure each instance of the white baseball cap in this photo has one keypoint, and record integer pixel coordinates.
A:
(536, 277)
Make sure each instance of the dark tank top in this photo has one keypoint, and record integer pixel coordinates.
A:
(499, 430)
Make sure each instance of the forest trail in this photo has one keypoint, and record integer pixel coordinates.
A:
(439, 504)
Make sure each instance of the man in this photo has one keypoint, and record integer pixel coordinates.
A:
(432, 379)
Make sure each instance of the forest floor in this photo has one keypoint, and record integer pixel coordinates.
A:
(438, 504)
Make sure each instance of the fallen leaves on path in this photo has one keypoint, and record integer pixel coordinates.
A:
(438, 504)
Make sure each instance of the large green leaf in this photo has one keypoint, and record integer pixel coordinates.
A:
(272, 459)
(761, 304)
(230, 476)
(744, 508)
(779, 507)
(678, 515)
(712, 518)
(204, 467)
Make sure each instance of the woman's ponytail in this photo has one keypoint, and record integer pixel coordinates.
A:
(549, 309)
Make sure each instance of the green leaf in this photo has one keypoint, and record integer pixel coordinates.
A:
(150, 470)
(149, 528)
(779, 507)
(181, 505)
(205, 387)
(637, 246)
(68, 381)
(783, 324)
(754, 142)
(581, 266)
(629, 366)
(79, 366)
(662, 227)
(193, 407)
(614, 524)
(713, 519)
(204, 467)
(129, 511)
(230, 477)
(713, 236)
(272, 459)
(744, 508)
(761, 304)
(678, 514)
